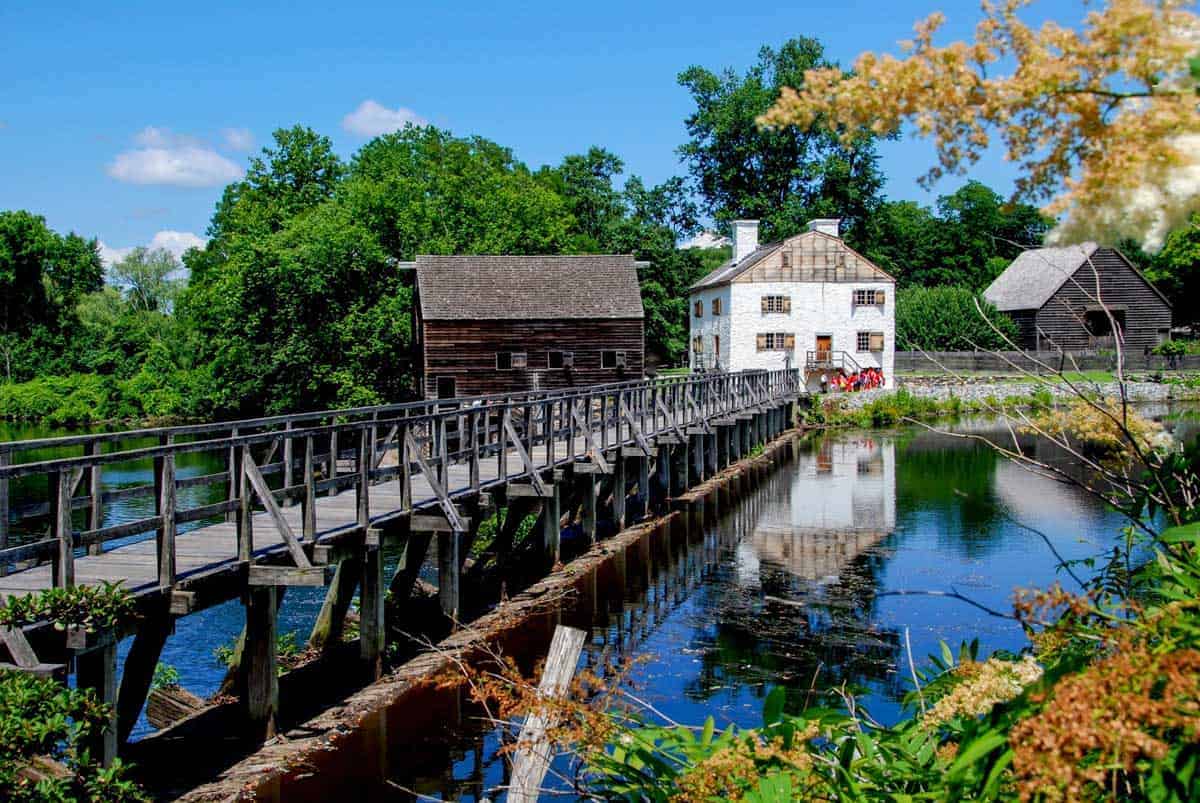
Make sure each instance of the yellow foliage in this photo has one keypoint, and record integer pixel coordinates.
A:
(1102, 120)
(1099, 432)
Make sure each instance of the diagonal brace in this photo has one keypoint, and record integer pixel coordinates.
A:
(272, 507)
(448, 507)
(534, 478)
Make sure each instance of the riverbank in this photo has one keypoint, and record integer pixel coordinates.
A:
(929, 398)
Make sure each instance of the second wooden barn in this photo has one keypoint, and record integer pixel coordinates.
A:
(510, 324)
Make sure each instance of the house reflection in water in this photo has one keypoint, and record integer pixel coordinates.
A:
(841, 502)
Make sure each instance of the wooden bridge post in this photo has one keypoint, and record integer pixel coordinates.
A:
(363, 485)
(5, 459)
(449, 568)
(747, 437)
(308, 513)
(166, 504)
(722, 446)
(289, 459)
(679, 470)
(371, 625)
(331, 621)
(59, 486)
(644, 484)
(245, 521)
(552, 523)
(589, 507)
(710, 453)
(696, 464)
(96, 669)
(233, 465)
(662, 468)
(619, 489)
(259, 662)
(95, 496)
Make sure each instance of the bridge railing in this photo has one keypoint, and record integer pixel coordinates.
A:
(271, 463)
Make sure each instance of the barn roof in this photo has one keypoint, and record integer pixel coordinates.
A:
(1036, 275)
(817, 257)
(528, 287)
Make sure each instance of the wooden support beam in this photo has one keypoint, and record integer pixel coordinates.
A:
(551, 524)
(534, 479)
(138, 672)
(259, 662)
(696, 464)
(371, 624)
(643, 464)
(449, 569)
(518, 490)
(710, 454)
(95, 516)
(165, 533)
(620, 486)
(532, 758)
(434, 524)
(589, 484)
(182, 603)
(439, 491)
(331, 621)
(662, 471)
(261, 575)
(679, 470)
(60, 485)
(97, 670)
(19, 648)
(5, 459)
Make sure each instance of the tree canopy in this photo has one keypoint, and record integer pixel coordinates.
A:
(783, 176)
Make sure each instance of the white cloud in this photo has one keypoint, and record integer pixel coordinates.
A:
(164, 157)
(371, 119)
(174, 241)
(238, 139)
(705, 239)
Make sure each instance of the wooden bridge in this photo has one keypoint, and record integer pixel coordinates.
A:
(302, 494)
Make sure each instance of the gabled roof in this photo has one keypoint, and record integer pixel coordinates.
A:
(817, 257)
(1036, 275)
(528, 287)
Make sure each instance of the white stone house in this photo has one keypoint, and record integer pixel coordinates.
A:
(809, 302)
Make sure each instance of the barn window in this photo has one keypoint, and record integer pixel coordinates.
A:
(863, 341)
(716, 306)
(1100, 325)
(699, 308)
(613, 359)
(777, 304)
(560, 359)
(786, 256)
(510, 360)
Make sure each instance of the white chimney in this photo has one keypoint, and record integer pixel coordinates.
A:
(745, 239)
(826, 225)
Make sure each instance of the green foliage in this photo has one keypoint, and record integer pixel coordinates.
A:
(93, 607)
(41, 718)
(948, 319)
(1175, 270)
(782, 177)
(148, 279)
(165, 676)
(1171, 348)
(967, 241)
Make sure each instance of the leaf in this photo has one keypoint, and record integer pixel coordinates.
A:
(707, 734)
(974, 751)
(947, 655)
(1183, 534)
(773, 706)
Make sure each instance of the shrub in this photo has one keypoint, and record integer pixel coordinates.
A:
(946, 319)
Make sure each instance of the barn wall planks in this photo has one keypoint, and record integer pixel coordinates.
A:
(466, 351)
(1061, 319)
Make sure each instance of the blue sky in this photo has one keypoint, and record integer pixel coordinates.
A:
(124, 120)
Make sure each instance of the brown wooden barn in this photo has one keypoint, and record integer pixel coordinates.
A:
(1058, 296)
(510, 324)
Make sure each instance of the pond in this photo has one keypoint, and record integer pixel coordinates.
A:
(811, 581)
(806, 582)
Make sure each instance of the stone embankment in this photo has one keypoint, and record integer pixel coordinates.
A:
(978, 389)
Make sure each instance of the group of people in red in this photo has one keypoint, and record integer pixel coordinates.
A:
(865, 379)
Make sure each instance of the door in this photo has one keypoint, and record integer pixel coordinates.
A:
(824, 348)
(445, 387)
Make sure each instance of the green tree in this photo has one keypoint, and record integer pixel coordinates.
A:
(1176, 271)
(948, 319)
(149, 279)
(783, 177)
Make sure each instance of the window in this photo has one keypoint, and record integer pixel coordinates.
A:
(612, 359)
(786, 256)
(697, 344)
(560, 359)
(509, 360)
(1100, 325)
(699, 309)
(445, 387)
(776, 304)
(868, 298)
(717, 346)
(716, 306)
(776, 341)
(869, 341)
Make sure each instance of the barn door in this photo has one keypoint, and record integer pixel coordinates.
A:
(824, 348)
